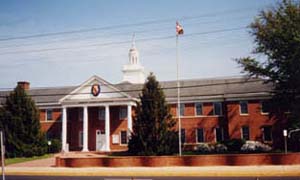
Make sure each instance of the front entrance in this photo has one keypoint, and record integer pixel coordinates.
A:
(100, 140)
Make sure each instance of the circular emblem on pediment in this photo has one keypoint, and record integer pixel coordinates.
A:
(95, 90)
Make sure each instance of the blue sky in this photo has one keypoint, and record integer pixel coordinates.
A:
(206, 50)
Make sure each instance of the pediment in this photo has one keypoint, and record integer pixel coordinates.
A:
(84, 91)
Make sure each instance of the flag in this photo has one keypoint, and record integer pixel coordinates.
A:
(179, 29)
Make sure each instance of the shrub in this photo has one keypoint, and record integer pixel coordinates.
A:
(255, 146)
(234, 144)
(55, 146)
(220, 148)
(205, 148)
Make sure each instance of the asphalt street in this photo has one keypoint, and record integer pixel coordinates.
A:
(143, 178)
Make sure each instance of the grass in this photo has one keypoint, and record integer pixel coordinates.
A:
(9, 161)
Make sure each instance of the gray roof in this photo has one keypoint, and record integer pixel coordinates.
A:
(191, 90)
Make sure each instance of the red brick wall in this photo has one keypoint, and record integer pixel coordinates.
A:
(231, 121)
(200, 160)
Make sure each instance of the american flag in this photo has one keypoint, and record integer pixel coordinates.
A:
(179, 29)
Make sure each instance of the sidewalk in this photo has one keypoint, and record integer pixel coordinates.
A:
(206, 171)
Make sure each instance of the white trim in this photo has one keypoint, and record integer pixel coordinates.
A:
(102, 81)
(90, 104)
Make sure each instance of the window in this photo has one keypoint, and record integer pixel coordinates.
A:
(123, 113)
(219, 134)
(80, 138)
(243, 107)
(198, 107)
(101, 113)
(267, 133)
(200, 135)
(182, 136)
(182, 109)
(80, 114)
(245, 133)
(123, 137)
(49, 113)
(264, 107)
(218, 108)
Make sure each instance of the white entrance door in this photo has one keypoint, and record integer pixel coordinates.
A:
(100, 141)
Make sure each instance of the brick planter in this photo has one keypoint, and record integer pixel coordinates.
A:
(195, 160)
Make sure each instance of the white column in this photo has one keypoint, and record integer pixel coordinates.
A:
(64, 130)
(85, 129)
(107, 128)
(129, 118)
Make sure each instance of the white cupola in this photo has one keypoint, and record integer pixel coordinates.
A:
(133, 72)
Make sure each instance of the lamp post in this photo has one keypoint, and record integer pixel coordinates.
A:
(49, 144)
(285, 140)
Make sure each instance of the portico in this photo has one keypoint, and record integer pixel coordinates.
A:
(92, 108)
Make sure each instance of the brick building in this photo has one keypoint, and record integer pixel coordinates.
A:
(98, 116)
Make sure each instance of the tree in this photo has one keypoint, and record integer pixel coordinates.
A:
(19, 119)
(276, 35)
(153, 127)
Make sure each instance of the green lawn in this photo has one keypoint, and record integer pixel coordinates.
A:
(9, 161)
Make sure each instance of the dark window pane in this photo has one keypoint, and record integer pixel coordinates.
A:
(245, 133)
(244, 107)
(49, 114)
(265, 107)
(182, 136)
(123, 137)
(219, 134)
(199, 109)
(217, 108)
(182, 106)
(200, 135)
(267, 134)
(123, 113)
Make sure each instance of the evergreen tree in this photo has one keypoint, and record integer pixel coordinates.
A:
(276, 35)
(19, 119)
(153, 127)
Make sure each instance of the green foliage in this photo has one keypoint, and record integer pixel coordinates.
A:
(153, 126)
(55, 146)
(276, 35)
(234, 145)
(19, 119)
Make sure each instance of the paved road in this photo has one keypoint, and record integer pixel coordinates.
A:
(145, 178)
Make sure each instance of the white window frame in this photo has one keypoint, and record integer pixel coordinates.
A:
(46, 117)
(121, 137)
(121, 110)
(101, 109)
(242, 132)
(221, 108)
(198, 103)
(241, 107)
(222, 133)
(80, 142)
(203, 134)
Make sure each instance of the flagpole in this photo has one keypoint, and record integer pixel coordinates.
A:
(178, 98)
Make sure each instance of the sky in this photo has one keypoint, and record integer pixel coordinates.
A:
(65, 42)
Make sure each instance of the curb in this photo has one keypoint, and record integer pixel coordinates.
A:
(208, 171)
